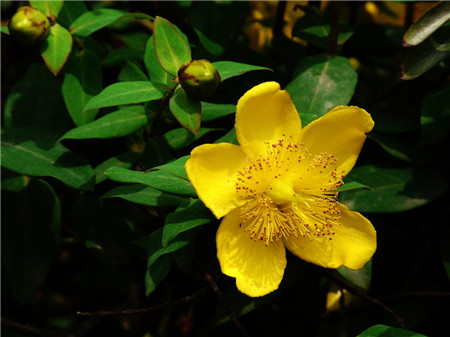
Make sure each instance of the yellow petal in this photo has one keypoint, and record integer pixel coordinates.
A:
(212, 171)
(265, 113)
(352, 246)
(258, 268)
(340, 132)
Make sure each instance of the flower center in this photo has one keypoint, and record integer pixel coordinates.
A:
(289, 192)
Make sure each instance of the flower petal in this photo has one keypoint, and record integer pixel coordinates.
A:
(258, 268)
(212, 170)
(265, 113)
(352, 246)
(340, 132)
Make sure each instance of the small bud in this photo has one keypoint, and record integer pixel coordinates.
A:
(29, 25)
(199, 78)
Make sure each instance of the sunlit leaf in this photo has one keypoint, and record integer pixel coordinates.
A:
(124, 93)
(228, 69)
(158, 179)
(171, 46)
(186, 110)
(56, 48)
(115, 124)
(49, 8)
(90, 22)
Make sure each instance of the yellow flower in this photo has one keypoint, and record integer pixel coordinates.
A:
(277, 189)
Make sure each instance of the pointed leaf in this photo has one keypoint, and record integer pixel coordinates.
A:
(229, 69)
(90, 22)
(211, 111)
(194, 214)
(115, 124)
(160, 180)
(144, 195)
(126, 160)
(428, 23)
(321, 83)
(159, 77)
(48, 7)
(171, 45)
(393, 189)
(186, 110)
(70, 12)
(124, 93)
(387, 331)
(178, 139)
(56, 48)
(32, 151)
(359, 278)
(176, 167)
(82, 81)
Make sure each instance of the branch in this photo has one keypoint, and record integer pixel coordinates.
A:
(25, 329)
(148, 309)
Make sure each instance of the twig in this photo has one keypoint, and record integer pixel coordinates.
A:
(224, 303)
(25, 329)
(148, 309)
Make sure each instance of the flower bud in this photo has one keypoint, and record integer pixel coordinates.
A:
(199, 78)
(29, 25)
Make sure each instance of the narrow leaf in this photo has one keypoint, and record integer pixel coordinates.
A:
(172, 48)
(124, 93)
(159, 77)
(193, 215)
(32, 151)
(229, 69)
(56, 48)
(144, 195)
(178, 139)
(158, 179)
(176, 167)
(115, 124)
(126, 160)
(387, 331)
(186, 110)
(428, 23)
(82, 81)
(89, 22)
(211, 111)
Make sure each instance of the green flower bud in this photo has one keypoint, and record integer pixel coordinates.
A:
(29, 25)
(199, 78)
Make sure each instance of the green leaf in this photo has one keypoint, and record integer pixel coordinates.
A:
(352, 185)
(5, 30)
(158, 179)
(125, 160)
(387, 331)
(159, 260)
(427, 24)
(117, 57)
(393, 189)
(359, 278)
(160, 78)
(320, 84)
(186, 110)
(426, 55)
(30, 236)
(124, 93)
(48, 7)
(192, 215)
(115, 124)
(171, 46)
(315, 29)
(228, 69)
(42, 90)
(131, 72)
(435, 116)
(176, 167)
(32, 151)
(56, 48)
(90, 22)
(178, 139)
(211, 111)
(82, 81)
(144, 195)
(230, 137)
(70, 11)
